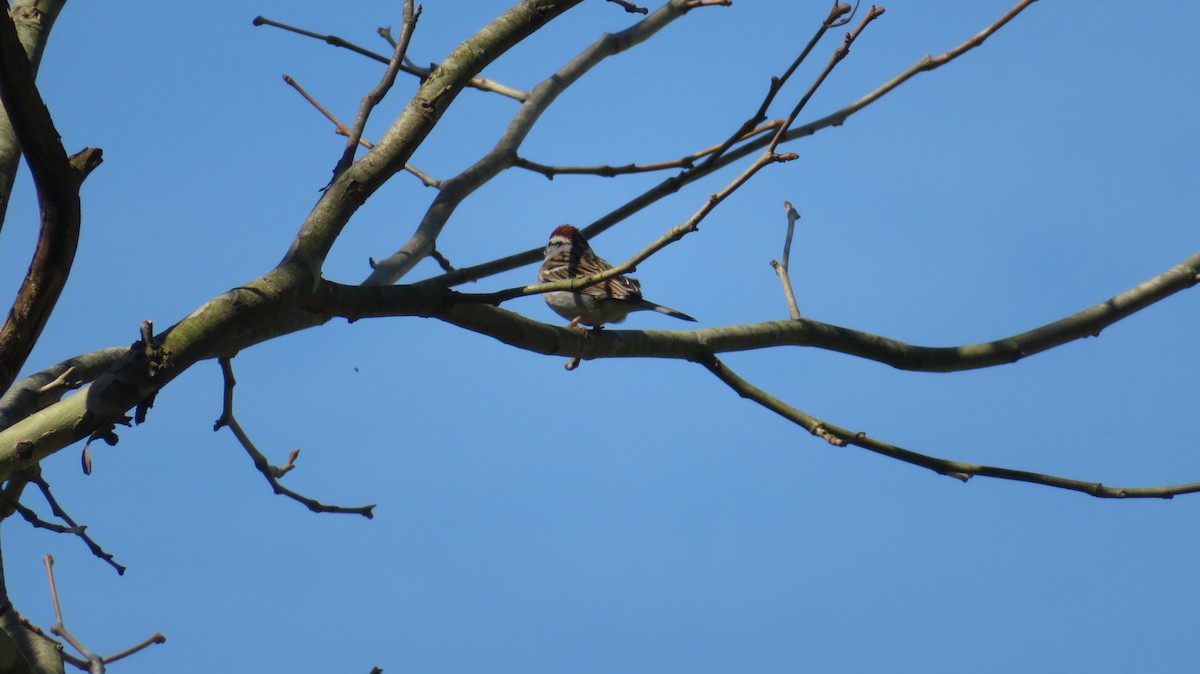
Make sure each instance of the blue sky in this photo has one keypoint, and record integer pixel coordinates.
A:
(637, 516)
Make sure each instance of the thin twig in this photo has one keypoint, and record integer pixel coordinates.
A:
(838, 55)
(340, 129)
(481, 83)
(441, 260)
(781, 268)
(838, 11)
(76, 528)
(376, 95)
(95, 662)
(269, 472)
(959, 470)
(156, 638)
(630, 7)
(92, 662)
(609, 171)
(32, 518)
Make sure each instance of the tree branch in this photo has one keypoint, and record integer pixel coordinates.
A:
(57, 182)
(33, 20)
(481, 83)
(269, 472)
(959, 470)
(466, 311)
(375, 96)
(781, 267)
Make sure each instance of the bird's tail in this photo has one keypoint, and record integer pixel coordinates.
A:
(671, 312)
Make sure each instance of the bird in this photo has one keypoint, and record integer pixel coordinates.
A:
(568, 255)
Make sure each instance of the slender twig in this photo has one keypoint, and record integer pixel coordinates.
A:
(269, 472)
(609, 171)
(92, 662)
(95, 662)
(630, 7)
(838, 55)
(781, 267)
(375, 96)
(959, 470)
(32, 518)
(441, 260)
(76, 528)
(838, 11)
(340, 129)
(481, 83)
(156, 638)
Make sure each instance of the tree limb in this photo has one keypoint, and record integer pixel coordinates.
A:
(57, 182)
(959, 470)
(33, 20)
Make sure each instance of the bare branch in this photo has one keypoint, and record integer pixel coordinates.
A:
(781, 268)
(269, 472)
(75, 528)
(375, 96)
(481, 83)
(33, 20)
(42, 389)
(472, 312)
(838, 55)
(92, 662)
(630, 7)
(57, 182)
(957, 469)
(611, 171)
(341, 130)
(760, 115)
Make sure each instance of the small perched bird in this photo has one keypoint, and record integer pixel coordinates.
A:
(568, 255)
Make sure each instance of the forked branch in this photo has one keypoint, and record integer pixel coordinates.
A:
(270, 472)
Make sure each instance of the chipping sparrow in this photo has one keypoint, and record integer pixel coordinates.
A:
(568, 255)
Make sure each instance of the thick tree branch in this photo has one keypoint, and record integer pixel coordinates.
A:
(57, 182)
(516, 330)
(33, 20)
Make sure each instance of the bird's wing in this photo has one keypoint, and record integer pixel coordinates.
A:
(618, 287)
